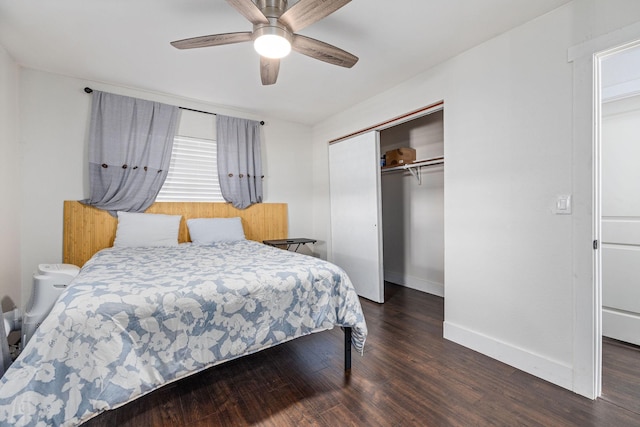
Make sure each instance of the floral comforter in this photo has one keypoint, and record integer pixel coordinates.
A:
(137, 318)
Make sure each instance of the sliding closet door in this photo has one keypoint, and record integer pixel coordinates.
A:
(356, 214)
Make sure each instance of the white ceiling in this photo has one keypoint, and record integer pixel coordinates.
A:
(126, 43)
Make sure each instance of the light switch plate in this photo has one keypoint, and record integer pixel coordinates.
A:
(563, 205)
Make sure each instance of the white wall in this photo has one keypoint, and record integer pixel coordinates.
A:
(54, 119)
(510, 270)
(412, 210)
(9, 186)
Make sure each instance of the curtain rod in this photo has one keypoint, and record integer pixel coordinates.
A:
(89, 90)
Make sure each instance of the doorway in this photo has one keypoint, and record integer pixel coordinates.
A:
(618, 219)
(620, 194)
(413, 204)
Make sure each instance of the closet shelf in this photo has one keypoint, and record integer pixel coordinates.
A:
(416, 167)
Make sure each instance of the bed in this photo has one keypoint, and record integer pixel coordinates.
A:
(136, 318)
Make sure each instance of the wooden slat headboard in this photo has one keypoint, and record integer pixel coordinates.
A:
(88, 230)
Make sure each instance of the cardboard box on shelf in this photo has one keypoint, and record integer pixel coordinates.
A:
(399, 157)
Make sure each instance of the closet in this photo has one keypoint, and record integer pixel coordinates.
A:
(387, 223)
(413, 206)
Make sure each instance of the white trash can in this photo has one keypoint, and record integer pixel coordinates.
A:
(48, 283)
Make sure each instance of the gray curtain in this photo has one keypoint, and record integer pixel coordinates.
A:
(239, 160)
(130, 143)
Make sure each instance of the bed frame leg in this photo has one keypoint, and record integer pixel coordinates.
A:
(347, 349)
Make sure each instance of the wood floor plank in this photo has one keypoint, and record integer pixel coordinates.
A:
(196, 399)
(408, 376)
(161, 409)
(621, 374)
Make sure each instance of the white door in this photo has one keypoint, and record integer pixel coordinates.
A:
(356, 213)
(620, 155)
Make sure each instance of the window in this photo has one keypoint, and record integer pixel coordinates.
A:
(193, 172)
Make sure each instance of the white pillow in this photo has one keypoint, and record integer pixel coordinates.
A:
(142, 229)
(205, 231)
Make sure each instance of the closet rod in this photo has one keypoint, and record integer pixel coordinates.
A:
(89, 90)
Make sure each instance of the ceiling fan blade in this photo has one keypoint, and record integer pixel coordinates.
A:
(269, 69)
(323, 51)
(249, 10)
(212, 40)
(306, 12)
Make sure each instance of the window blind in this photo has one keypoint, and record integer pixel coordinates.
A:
(193, 172)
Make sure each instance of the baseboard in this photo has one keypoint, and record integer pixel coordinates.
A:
(620, 325)
(415, 283)
(541, 367)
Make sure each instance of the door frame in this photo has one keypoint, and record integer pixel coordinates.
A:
(587, 283)
(598, 57)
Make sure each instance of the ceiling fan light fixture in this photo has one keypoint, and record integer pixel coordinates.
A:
(274, 35)
(272, 42)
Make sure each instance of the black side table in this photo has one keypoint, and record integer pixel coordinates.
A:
(289, 242)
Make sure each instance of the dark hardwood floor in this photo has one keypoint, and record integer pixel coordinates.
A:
(621, 374)
(409, 376)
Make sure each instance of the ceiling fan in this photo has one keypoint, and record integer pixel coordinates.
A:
(274, 27)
